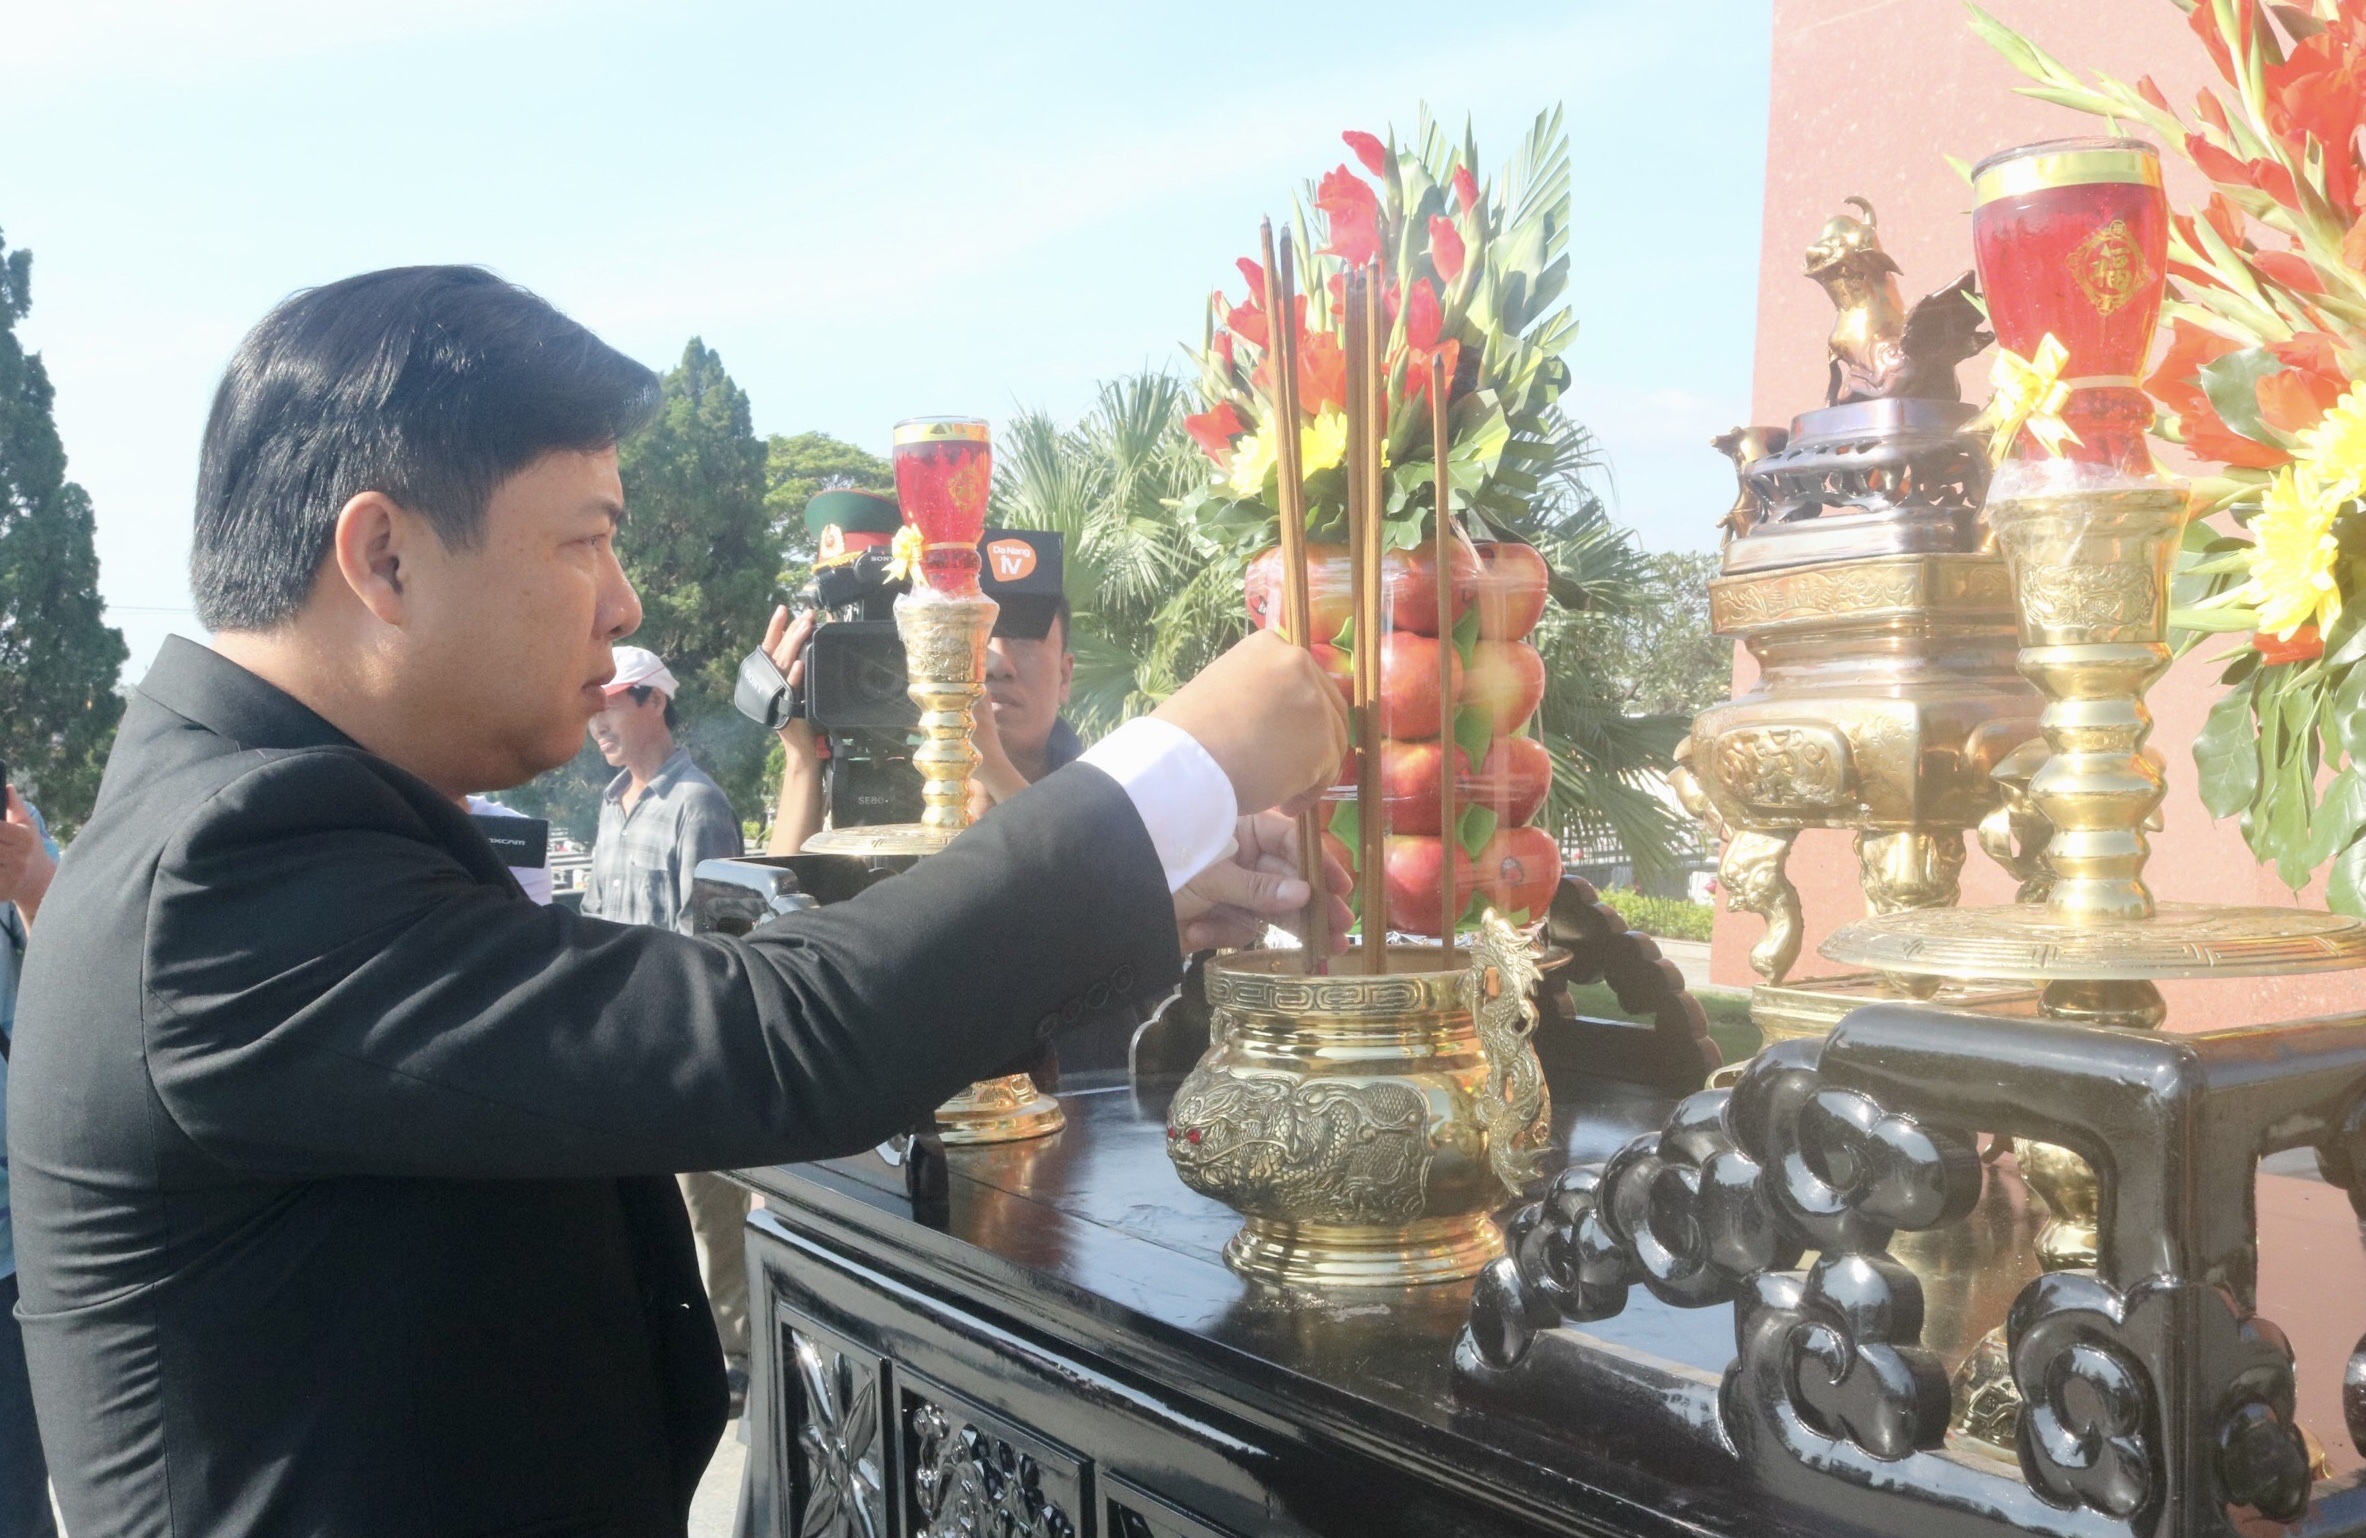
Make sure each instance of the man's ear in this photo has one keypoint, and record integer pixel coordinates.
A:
(1067, 673)
(373, 539)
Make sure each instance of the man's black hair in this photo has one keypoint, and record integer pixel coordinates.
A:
(429, 384)
(641, 693)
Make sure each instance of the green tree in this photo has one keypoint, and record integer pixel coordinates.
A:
(1660, 656)
(1154, 598)
(795, 467)
(59, 659)
(699, 546)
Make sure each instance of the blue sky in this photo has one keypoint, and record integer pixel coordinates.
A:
(871, 211)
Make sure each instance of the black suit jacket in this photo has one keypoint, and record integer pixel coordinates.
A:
(338, 1166)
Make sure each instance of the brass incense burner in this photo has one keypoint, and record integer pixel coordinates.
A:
(1857, 572)
(1365, 1124)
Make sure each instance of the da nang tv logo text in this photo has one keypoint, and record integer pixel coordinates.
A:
(1011, 560)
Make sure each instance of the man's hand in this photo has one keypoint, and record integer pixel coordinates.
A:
(25, 865)
(798, 816)
(1269, 718)
(784, 643)
(996, 778)
(1231, 902)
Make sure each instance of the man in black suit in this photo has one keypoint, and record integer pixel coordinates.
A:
(343, 1171)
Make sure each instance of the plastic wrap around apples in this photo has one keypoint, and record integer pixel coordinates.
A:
(1501, 857)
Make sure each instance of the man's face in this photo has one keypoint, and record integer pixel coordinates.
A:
(626, 729)
(1028, 683)
(516, 632)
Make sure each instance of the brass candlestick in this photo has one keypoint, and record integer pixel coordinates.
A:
(942, 467)
(2090, 571)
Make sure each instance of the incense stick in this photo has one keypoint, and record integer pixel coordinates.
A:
(1369, 385)
(1364, 657)
(1281, 334)
(1442, 548)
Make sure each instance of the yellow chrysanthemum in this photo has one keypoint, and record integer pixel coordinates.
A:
(2335, 449)
(2292, 581)
(1252, 458)
(1322, 443)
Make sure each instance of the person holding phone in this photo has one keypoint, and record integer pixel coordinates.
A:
(28, 858)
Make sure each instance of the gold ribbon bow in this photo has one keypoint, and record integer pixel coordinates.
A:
(2028, 393)
(903, 557)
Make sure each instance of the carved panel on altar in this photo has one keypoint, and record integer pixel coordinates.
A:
(837, 1455)
(970, 1473)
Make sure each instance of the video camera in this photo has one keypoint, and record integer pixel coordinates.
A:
(853, 687)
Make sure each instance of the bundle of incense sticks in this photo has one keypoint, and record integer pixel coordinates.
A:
(1442, 548)
(1281, 310)
(1365, 329)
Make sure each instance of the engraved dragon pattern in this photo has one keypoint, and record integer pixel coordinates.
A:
(1500, 990)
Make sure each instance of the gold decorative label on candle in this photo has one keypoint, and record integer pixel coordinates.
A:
(2109, 267)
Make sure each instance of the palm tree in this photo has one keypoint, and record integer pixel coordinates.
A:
(1154, 600)
(1156, 596)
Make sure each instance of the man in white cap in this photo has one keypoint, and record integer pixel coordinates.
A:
(658, 819)
(662, 815)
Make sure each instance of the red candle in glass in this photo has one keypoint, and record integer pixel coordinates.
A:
(2071, 237)
(943, 468)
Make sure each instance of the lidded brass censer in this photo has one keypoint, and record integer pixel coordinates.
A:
(1857, 572)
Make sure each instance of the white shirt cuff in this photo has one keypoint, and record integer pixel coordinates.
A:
(1183, 798)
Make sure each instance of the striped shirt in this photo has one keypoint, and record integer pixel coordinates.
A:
(643, 860)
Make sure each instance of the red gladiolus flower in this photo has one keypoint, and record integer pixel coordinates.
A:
(1445, 248)
(2205, 27)
(1254, 274)
(1466, 188)
(1417, 368)
(1214, 430)
(1248, 322)
(1353, 212)
(2176, 385)
(2319, 92)
(1423, 323)
(2305, 646)
(1422, 317)
(1369, 150)
(1322, 374)
(2222, 167)
(2290, 269)
(1223, 348)
(2293, 399)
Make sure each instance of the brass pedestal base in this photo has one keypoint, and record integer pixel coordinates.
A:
(1005, 1110)
(1325, 1255)
(1796, 1011)
(2035, 942)
(885, 838)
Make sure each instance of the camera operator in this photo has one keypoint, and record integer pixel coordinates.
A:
(342, 1171)
(1020, 734)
